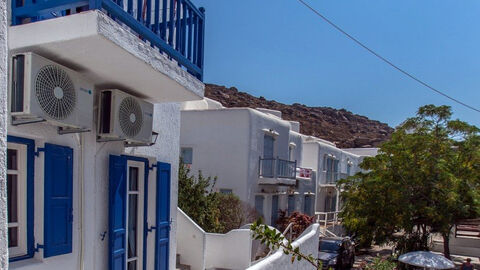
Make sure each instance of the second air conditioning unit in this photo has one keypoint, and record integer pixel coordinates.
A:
(124, 117)
(42, 90)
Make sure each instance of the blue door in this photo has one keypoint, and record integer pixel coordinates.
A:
(117, 212)
(274, 210)
(259, 204)
(291, 204)
(162, 236)
(308, 205)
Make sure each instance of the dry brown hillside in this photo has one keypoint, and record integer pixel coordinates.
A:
(340, 126)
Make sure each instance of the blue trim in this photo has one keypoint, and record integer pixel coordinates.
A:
(177, 22)
(30, 194)
(145, 203)
(117, 192)
(58, 200)
(163, 222)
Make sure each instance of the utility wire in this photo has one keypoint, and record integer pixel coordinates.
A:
(413, 77)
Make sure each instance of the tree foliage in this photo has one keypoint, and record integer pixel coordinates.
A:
(424, 180)
(212, 211)
(299, 221)
(196, 197)
(274, 240)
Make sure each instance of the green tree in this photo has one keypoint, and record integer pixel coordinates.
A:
(423, 181)
(233, 212)
(212, 211)
(197, 198)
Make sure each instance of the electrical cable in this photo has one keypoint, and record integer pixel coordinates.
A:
(411, 76)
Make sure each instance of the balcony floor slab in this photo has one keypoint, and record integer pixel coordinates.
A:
(276, 181)
(109, 54)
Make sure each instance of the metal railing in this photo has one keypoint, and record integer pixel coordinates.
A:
(277, 168)
(175, 27)
(327, 218)
(333, 177)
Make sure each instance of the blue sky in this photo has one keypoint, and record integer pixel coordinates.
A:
(282, 51)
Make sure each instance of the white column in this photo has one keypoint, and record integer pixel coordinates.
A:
(337, 201)
(3, 135)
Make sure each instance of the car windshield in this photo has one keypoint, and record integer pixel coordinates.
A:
(328, 246)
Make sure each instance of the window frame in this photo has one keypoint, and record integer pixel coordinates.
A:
(21, 196)
(191, 154)
(141, 209)
(29, 159)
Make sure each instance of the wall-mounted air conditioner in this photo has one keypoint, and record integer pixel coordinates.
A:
(122, 116)
(42, 90)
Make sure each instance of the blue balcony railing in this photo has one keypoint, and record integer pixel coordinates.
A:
(277, 168)
(175, 27)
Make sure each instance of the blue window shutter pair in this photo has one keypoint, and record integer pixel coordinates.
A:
(58, 216)
(118, 211)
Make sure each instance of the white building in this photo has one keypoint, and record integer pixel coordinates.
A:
(81, 200)
(331, 164)
(253, 152)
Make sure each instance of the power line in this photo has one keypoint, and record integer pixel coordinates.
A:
(411, 76)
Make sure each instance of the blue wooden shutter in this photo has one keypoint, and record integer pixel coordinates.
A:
(58, 200)
(117, 212)
(162, 236)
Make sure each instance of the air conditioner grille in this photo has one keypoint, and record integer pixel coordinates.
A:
(55, 92)
(130, 117)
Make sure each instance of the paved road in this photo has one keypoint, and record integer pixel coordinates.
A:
(369, 256)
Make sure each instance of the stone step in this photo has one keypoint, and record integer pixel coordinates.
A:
(180, 266)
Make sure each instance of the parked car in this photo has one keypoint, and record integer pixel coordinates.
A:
(336, 252)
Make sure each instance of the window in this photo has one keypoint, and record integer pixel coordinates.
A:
(134, 215)
(225, 191)
(331, 167)
(259, 204)
(17, 199)
(268, 146)
(187, 155)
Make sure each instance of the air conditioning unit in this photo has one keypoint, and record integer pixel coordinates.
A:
(42, 90)
(124, 117)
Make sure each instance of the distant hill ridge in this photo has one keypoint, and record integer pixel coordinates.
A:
(342, 127)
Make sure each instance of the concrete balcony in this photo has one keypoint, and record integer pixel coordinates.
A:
(275, 171)
(158, 58)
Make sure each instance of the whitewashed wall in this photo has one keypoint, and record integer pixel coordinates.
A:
(191, 242)
(230, 251)
(167, 125)
(3, 135)
(92, 248)
(308, 243)
(220, 142)
(203, 250)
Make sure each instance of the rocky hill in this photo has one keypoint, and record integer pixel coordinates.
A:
(339, 126)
